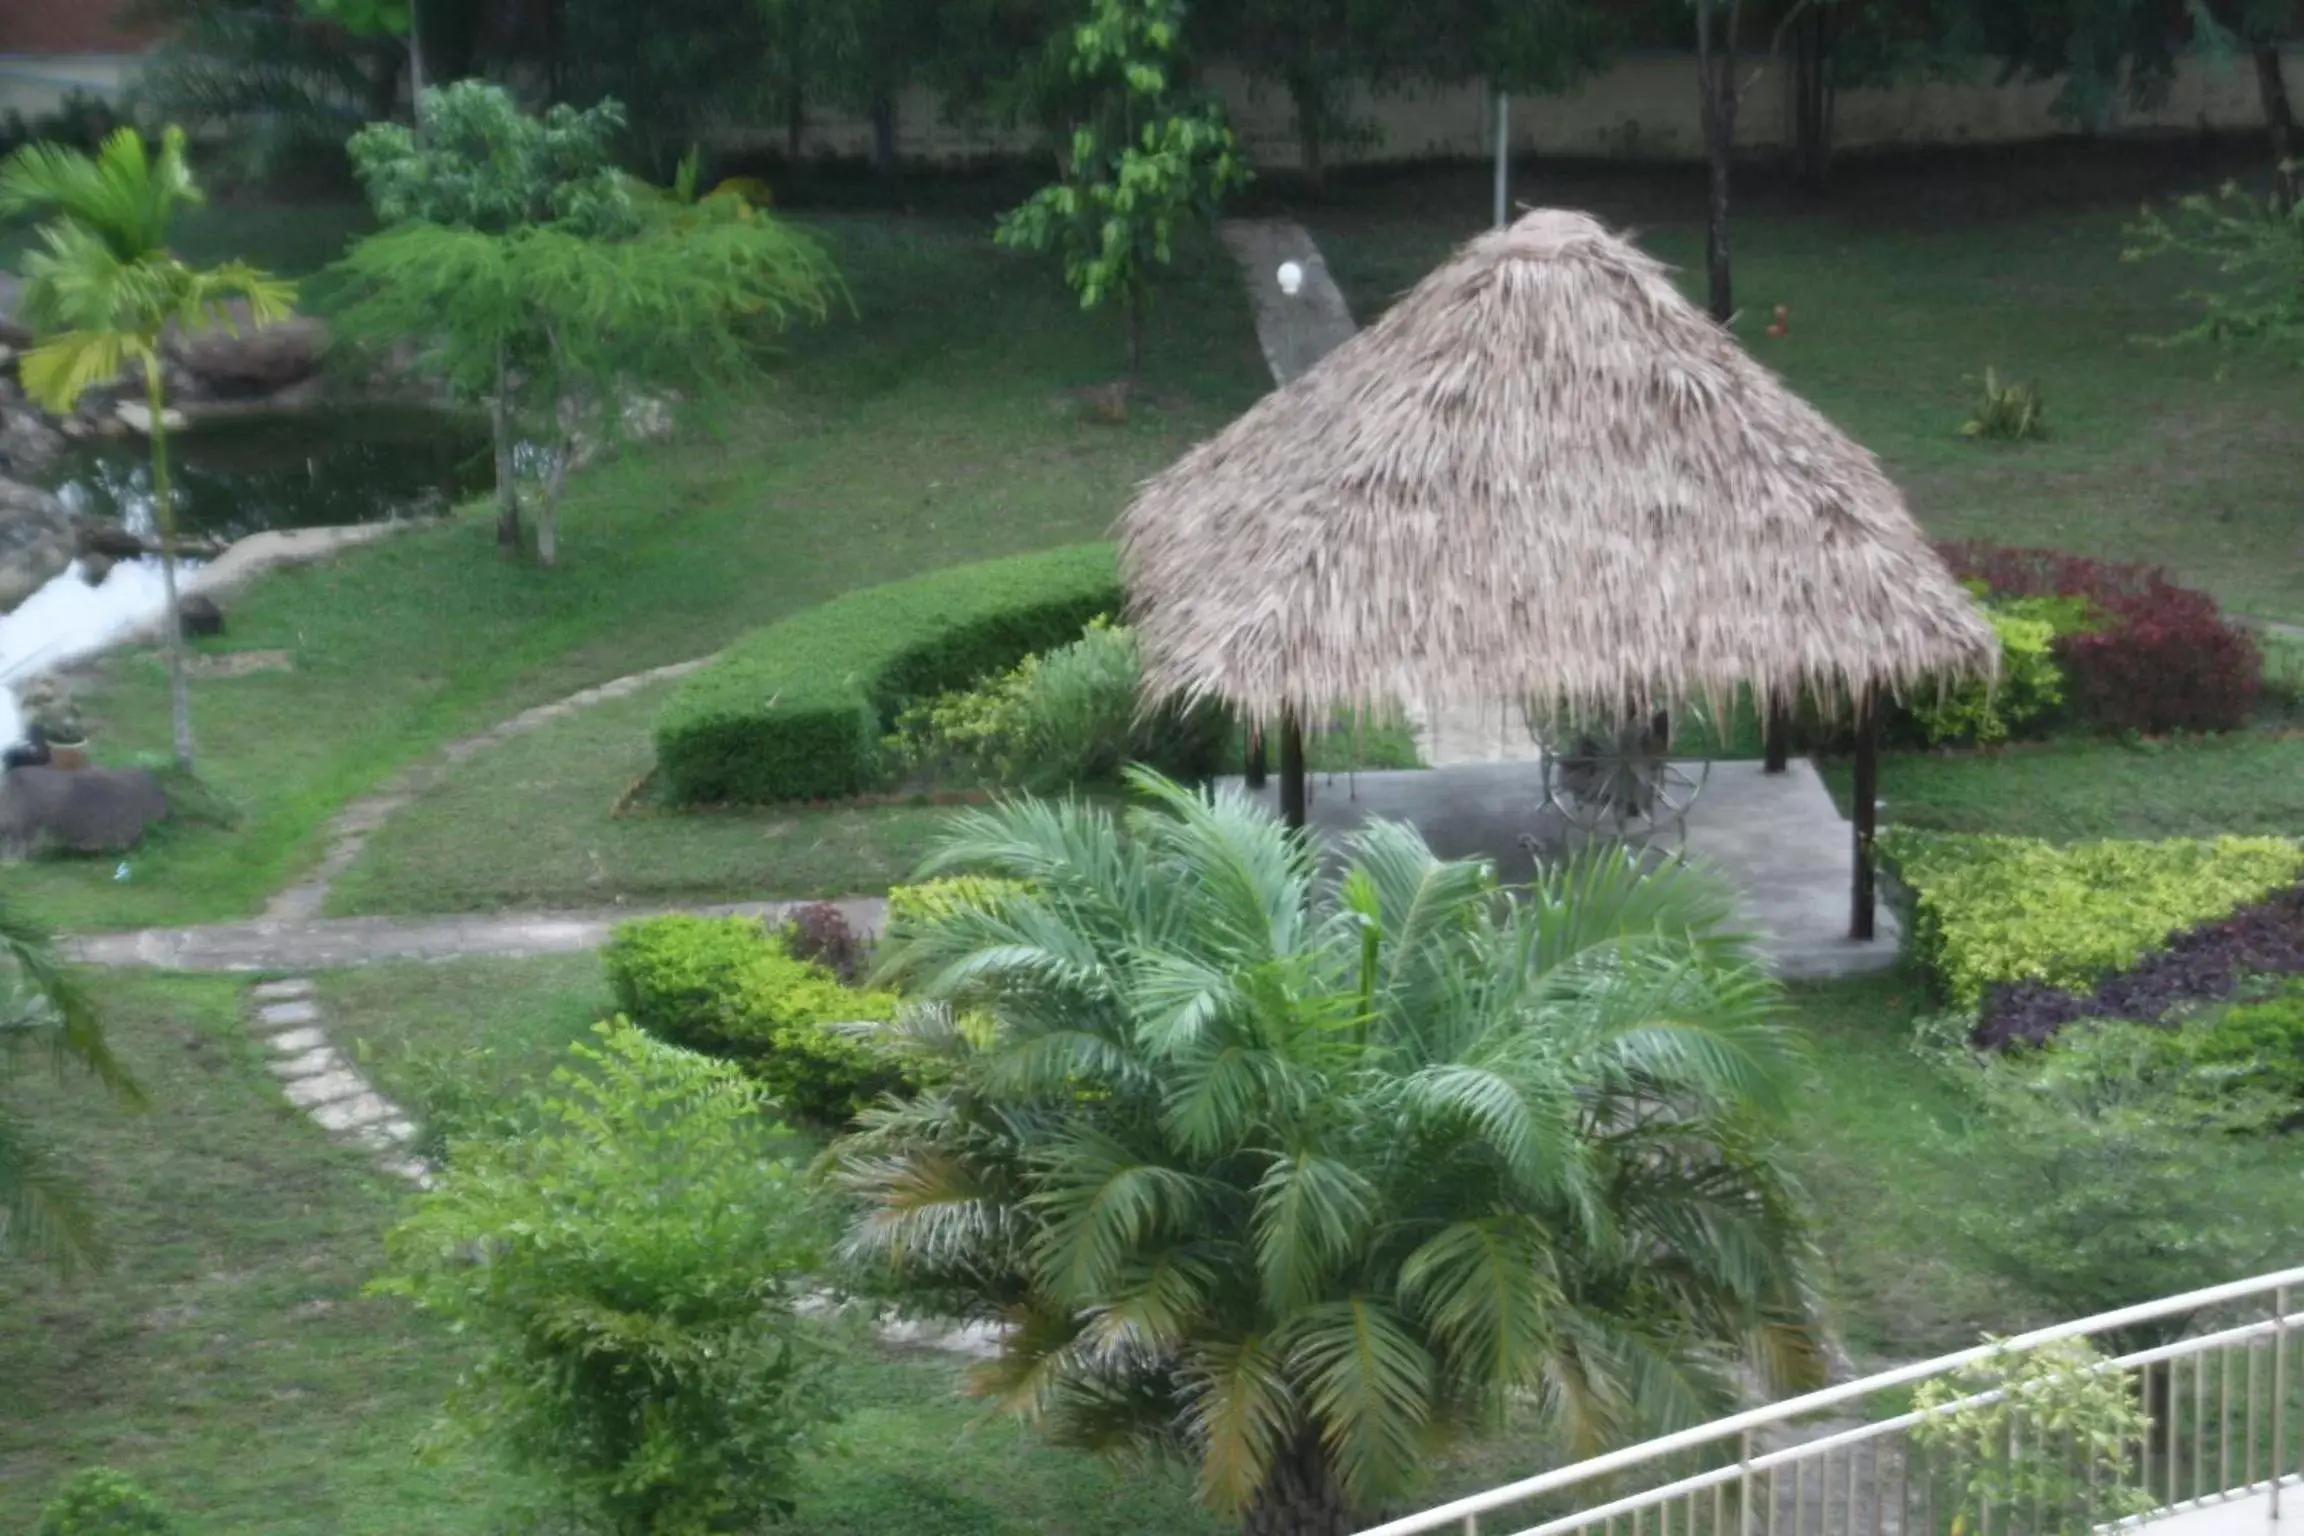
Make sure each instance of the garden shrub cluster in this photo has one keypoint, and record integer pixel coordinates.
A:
(2027, 696)
(1996, 910)
(97, 1501)
(729, 988)
(2152, 656)
(798, 710)
(1066, 716)
(2207, 963)
(934, 900)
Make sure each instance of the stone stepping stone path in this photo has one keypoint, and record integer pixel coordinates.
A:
(323, 1082)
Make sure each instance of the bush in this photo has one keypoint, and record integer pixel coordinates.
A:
(634, 1313)
(2104, 1150)
(727, 987)
(2029, 691)
(2204, 964)
(797, 711)
(2259, 1045)
(97, 1501)
(932, 901)
(2158, 658)
(819, 934)
(1069, 716)
(2006, 909)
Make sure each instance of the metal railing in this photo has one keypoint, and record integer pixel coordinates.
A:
(2221, 1407)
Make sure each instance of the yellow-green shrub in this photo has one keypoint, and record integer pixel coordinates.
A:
(1998, 909)
(2030, 687)
(727, 988)
(930, 900)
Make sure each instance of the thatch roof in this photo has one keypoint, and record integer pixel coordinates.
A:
(1543, 477)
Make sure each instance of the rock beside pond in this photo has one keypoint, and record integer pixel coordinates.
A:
(80, 810)
(250, 362)
(13, 332)
(28, 443)
(36, 541)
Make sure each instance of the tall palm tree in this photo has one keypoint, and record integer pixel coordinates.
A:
(1297, 1172)
(43, 1009)
(102, 289)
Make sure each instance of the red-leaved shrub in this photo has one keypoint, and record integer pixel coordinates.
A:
(2161, 657)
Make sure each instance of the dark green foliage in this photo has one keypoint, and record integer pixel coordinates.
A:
(633, 1323)
(2259, 1045)
(728, 988)
(1058, 719)
(797, 711)
(98, 1501)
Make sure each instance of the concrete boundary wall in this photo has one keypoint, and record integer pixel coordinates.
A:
(1644, 107)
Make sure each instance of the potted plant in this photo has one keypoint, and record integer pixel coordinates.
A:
(49, 705)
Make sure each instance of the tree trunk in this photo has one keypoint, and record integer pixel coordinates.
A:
(164, 513)
(2279, 121)
(1311, 134)
(1135, 329)
(1812, 99)
(548, 505)
(1301, 1495)
(1716, 71)
(416, 76)
(507, 481)
(884, 136)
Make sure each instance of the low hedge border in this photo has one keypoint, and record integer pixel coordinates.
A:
(797, 711)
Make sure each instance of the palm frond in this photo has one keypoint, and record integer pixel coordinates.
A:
(1488, 1291)
(1241, 1413)
(58, 371)
(43, 1004)
(1369, 1384)
(42, 1208)
(1312, 1213)
(1102, 1205)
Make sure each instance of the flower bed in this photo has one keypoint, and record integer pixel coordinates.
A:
(2151, 656)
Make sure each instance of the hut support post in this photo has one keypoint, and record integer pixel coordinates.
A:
(1293, 802)
(1777, 743)
(1861, 917)
(1257, 767)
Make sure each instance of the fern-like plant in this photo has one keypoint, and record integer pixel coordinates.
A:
(2005, 411)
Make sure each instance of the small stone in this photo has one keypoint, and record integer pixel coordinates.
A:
(414, 1169)
(282, 991)
(296, 1041)
(283, 1014)
(312, 1092)
(352, 1113)
(310, 1063)
(386, 1135)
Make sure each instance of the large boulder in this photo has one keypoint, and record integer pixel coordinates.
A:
(36, 541)
(249, 361)
(29, 443)
(77, 810)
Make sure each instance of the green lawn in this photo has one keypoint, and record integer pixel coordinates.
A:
(939, 424)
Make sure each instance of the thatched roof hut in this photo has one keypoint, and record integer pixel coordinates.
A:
(1544, 477)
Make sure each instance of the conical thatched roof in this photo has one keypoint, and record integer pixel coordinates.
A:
(1544, 476)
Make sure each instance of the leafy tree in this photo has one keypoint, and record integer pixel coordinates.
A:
(97, 1501)
(1298, 1173)
(1145, 157)
(1719, 26)
(2254, 244)
(633, 1310)
(103, 291)
(43, 1009)
(552, 282)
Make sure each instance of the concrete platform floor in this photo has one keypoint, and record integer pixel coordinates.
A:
(1778, 838)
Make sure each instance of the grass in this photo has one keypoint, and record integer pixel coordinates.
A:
(2074, 790)
(229, 1358)
(939, 424)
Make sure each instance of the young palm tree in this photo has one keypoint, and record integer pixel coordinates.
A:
(42, 1008)
(1297, 1173)
(102, 290)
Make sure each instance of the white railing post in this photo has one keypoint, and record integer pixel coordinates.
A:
(2279, 1395)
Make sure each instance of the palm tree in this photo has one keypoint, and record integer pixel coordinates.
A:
(43, 1008)
(1297, 1173)
(103, 290)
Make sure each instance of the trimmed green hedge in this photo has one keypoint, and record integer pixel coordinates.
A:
(2005, 909)
(797, 711)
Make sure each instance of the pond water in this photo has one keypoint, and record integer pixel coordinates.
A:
(309, 470)
(232, 479)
